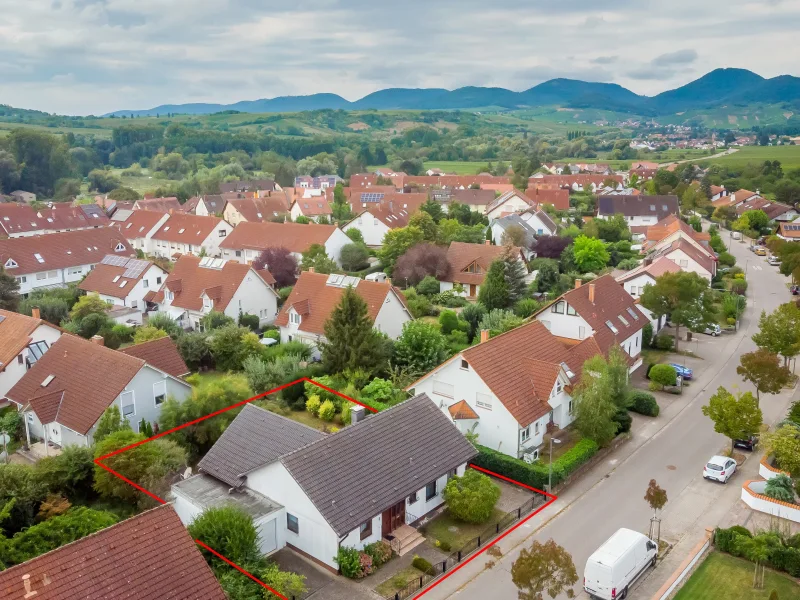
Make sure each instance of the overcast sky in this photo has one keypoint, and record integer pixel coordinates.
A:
(96, 56)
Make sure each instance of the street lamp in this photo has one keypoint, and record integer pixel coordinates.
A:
(550, 477)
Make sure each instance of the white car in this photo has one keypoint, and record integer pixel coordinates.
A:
(719, 468)
(712, 330)
(774, 261)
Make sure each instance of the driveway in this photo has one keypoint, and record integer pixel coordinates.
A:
(321, 584)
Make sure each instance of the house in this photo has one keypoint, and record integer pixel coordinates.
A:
(378, 213)
(469, 264)
(138, 226)
(62, 259)
(66, 391)
(789, 232)
(253, 185)
(23, 341)
(507, 204)
(197, 286)
(644, 165)
(556, 197)
(672, 228)
(502, 229)
(188, 234)
(212, 205)
(123, 281)
(247, 241)
(316, 493)
(775, 211)
(580, 182)
(603, 309)
(20, 220)
(638, 210)
(312, 206)
(741, 196)
(162, 353)
(319, 182)
(162, 205)
(315, 295)
(148, 557)
(22, 196)
(688, 257)
(510, 389)
(635, 280)
(539, 221)
(257, 210)
(477, 200)
(718, 191)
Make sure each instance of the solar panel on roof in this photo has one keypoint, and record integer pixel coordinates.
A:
(135, 268)
(372, 197)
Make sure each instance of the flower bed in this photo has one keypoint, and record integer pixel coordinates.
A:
(753, 495)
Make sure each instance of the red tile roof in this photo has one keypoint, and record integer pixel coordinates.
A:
(75, 364)
(148, 557)
(109, 281)
(670, 225)
(472, 197)
(655, 269)
(138, 223)
(314, 299)
(462, 255)
(62, 250)
(187, 229)
(788, 232)
(773, 210)
(261, 209)
(704, 259)
(313, 206)
(162, 354)
(295, 237)
(564, 181)
(393, 211)
(166, 205)
(462, 411)
(15, 334)
(558, 198)
(22, 218)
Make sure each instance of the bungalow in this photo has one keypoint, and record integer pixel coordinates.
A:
(638, 210)
(122, 281)
(197, 286)
(688, 257)
(789, 232)
(510, 389)
(378, 213)
(188, 234)
(718, 191)
(67, 390)
(23, 341)
(148, 557)
(315, 296)
(65, 257)
(469, 264)
(316, 493)
(138, 226)
(163, 205)
(247, 241)
(257, 210)
(740, 196)
(603, 309)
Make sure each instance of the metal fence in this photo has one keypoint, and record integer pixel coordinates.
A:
(473, 545)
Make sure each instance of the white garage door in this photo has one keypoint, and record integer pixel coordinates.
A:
(266, 537)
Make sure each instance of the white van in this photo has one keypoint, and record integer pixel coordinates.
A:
(613, 568)
(379, 277)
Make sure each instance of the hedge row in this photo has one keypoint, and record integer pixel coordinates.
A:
(784, 553)
(536, 474)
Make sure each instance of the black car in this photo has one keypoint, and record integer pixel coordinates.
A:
(748, 443)
(795, 289)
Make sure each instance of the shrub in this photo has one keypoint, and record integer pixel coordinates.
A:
(419, 305)
(526, 307)
(786, 559)
(726, 259)
(428, 286)
(647, 335)
(448, 321)
(327, 410)
(380, 552)
(284, 292)
(349, 561)
(449, 299)
(249, 321)
(738, 287)
(643, 403)
(313, 404)
(471, 498)
(423, 565)
(780, 488)
(623, 420)
(664, 342)
(347, 408)
(663, 375)
(725, 539)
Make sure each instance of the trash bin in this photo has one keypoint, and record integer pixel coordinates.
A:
(688, 336)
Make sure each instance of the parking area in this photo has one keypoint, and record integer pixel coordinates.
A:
(321, 584)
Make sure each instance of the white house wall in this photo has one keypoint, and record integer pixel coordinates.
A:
(688, 264)
(513, 204)
(371, 228)
(392, 316)
(254, 297)
(17, 367)
(564, 325)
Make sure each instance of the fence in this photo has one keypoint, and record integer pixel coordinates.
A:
(440, 568)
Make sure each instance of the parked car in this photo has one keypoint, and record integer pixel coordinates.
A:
(752, 247)
(747, 443)
(713, 330)
(774, 261)
(683, 372)
(795, 289)
(760, 251)
(719, 468)
(618, 563)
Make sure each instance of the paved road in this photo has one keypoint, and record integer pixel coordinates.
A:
(717, 155)
(671, 449)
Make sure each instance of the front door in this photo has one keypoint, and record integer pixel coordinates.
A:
(473, 290)
(393, 518)
(55, 433)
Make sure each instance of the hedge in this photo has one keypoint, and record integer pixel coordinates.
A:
(644, 403)
(623, 420)
(782, 555)
(536, 474)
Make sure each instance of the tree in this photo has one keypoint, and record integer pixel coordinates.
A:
(194, 349)
(779, 332)
(681, 295)
(546, 277)
(163, 321)
(471, 497)
(124, 194)
(514, 235)
(590, 254)
(616, 372)
(656, 498)
(352, 343)
(787, 191)
(229, 531)
(763, 369)
(231, 345)
(88, 305)
(780, 487)
(43, 160)
(110, 422)
(758, 219)
(395, 243)
(434, 209)
(281, 264)
(103, 181)
(494, 291)
(420, 347)
(428, 286)
(473, 314)
(317, 258)
(425, 223)
(544, 568)
(215, 320)
(354, 257)
(9, 291)
(551, 246)
(735, 416)
(594, 407)
(662, 376)
(515, 273)
(420, 261)
(148, 333)
(784, 444)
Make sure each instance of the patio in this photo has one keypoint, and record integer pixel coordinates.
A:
(38, 450)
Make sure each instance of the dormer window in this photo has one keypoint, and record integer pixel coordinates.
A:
(559, 307)
(294, 318)
(11, 263)
(120, 247)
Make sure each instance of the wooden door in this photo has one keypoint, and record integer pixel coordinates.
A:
(393, 518)
(472, 291)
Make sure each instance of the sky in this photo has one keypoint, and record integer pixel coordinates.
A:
(96, 56)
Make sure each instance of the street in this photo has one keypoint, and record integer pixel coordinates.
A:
(671, 449)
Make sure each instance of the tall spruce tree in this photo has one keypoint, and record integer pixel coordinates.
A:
(9, 291)
(515, 276)
(352, 343)
(494, 290)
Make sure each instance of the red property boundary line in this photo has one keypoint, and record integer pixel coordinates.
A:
(99, 462)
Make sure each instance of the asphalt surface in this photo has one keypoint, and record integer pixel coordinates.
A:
(671, 449)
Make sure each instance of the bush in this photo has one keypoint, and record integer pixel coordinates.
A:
(647, 335)
(419, 305)
(448, 321)
(738, 287)
(526, 307)
(284, 292)
(313, 404)
(725, 539)
(726, 259)
(780, 488)
(449, 299)
(349, 561)
(643, 403)
(471, 498)
(623, 420)
(664, 342)
(663, 375)
(347, 408)
(380, 552)
(249, 321)
(428, 286)
(423, 565)
(327, 410)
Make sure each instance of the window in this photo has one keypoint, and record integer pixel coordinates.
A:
(10, 264)
(126, 400)
(559, 386)
(145, 283)
(525, 434)
(483, 401)
(622, 319)
(558, 307)
(238, 253)
(464, 364)
(444, 389)
(52, 274)
(294, 318)
(160, 392)
(38, 257)
(611, 327)
(571, 311)
(120, 247)
(684, 262)
(75, 270)
(581, 332)
(19, 359)
(22, 279)
(536, 428)
(366, 529)
(430, 491)
(158, 280)
(570, 406)
(292, 524)
(41, 276)
(30, 417)
(632, 312)
(222, 233)
(412, 498)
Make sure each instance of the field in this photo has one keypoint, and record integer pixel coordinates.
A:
(789, 156)
(724, 577)
(99, 132)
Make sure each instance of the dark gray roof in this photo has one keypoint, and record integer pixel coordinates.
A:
(359, 472)
(546, 219)
(256, 437)
(638, 206)
(474, 197)
(509, 220)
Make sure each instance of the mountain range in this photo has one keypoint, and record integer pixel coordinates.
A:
(717, 88)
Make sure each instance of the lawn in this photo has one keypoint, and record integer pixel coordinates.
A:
(725, 577)
(789, 156)
(448, 529)
(459, 167)
(397, 581)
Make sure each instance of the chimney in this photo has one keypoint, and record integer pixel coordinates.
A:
(487, 242)
(98, 339)
(484, 335)
(26, 581)
(357, 413)
(578, 283)
(311, 269)
(389, 281)
(35, 313)
(591, 293)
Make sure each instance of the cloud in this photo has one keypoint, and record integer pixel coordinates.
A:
(605, 60)
(679, 57)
